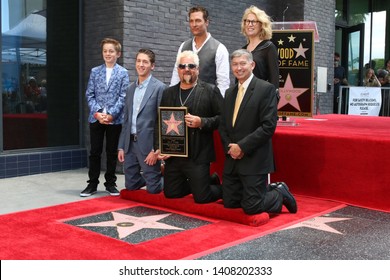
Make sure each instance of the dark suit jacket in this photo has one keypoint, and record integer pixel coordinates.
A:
(253, 130)
(206, 104)
(147, 117)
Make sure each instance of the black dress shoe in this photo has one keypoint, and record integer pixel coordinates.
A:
(272, 186)
(288, 199)
(214, 179)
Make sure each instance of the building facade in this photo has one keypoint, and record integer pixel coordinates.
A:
(50, 133)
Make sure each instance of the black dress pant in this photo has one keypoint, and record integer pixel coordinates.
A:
(182, 176)
(111, 133)
(250, 193)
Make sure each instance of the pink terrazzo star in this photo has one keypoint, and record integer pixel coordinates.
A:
(126, 224)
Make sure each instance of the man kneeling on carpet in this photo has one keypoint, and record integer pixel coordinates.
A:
(190, 175)
(247, 124)
(136, 142)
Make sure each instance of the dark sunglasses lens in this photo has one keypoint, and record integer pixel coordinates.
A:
(183, 66)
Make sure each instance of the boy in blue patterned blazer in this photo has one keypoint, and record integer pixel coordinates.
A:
(105, 94)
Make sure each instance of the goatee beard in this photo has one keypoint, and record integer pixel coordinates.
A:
(187, 79)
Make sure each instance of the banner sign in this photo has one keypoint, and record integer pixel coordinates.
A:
(364, 101)
(296, 60)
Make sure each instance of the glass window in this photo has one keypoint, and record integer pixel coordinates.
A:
(361, 36)
(24, 74)
(40, 107)
(374, 47)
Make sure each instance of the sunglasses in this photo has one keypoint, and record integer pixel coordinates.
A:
(189, 65)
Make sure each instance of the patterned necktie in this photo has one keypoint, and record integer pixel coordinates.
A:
(239, 97)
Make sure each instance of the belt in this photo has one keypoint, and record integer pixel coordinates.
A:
(133, 137)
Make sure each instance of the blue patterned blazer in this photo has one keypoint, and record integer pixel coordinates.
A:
(112, 96)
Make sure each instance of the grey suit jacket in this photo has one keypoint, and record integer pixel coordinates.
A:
(147, 117)
(253, 130)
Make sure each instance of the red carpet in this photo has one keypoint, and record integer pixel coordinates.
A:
(46, 234)
(186, 204)
(338, 157)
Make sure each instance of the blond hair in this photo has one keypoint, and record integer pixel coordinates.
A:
(189, 54)
(265, 20)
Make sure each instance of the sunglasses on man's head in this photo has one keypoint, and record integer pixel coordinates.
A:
(189, 65)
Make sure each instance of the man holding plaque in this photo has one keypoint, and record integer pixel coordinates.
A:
(191, 174)
(247, 124)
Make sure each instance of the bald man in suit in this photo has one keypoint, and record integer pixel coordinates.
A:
(246, 130)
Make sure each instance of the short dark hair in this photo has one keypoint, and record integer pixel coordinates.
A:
(199, 9)
(149, 53)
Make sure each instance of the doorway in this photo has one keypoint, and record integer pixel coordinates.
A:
(351, 41)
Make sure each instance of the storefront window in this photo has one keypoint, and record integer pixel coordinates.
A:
(375, 40)
(361, 36)
(24, 101)
(34, 102)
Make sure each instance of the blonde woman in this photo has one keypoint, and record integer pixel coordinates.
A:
(257, 28)
(370, 80)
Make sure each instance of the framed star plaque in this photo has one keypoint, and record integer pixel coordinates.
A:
(173, 131)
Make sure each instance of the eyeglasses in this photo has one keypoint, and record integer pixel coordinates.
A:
(249, 22)
(189, 65)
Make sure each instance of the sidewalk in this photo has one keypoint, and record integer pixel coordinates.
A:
(36, 191)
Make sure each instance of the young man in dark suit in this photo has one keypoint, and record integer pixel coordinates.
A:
(137, 145)
(247, 124)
